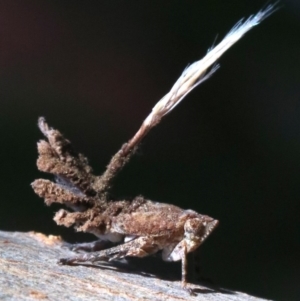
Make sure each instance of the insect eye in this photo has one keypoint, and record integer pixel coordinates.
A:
(195, 226)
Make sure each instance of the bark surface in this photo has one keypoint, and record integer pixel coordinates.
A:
(29, 271)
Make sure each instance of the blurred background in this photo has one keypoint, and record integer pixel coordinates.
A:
(230, 150)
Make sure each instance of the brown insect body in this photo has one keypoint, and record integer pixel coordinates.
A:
(141, 227)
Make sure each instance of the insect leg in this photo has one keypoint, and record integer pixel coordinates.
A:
(140, 247)
(93, 246)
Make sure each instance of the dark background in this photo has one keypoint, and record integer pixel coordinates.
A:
(231, 150)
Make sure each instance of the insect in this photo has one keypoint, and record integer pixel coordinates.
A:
(137, 227)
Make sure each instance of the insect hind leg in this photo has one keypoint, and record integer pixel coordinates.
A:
(139, 247)
(93, 246)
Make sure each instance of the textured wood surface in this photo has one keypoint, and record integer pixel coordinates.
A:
(29, 271)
